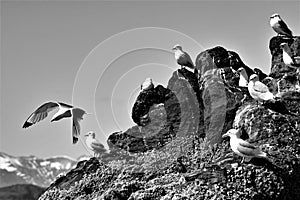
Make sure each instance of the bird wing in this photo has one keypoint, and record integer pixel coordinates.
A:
(260, 87)
(246, 148)
(97, 146)
(77, 114)
(40, 113)
(284, 27)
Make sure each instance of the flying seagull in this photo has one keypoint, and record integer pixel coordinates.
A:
(243, 82)
(242, 147)
(279, 26)
(93, 144)
(258, 90)
(64, 111)
(147, 84)
(182, 57)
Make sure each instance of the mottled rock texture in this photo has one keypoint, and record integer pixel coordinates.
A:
(179, 153)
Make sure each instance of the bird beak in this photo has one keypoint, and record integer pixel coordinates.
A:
(86, 135)
(225, 135)
(173, 48)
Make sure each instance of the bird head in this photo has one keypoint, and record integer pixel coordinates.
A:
(241, 69)
(284, 45)
(275, 15)
(253, 77)
(90, 134)
(230, 133)
(177, 47)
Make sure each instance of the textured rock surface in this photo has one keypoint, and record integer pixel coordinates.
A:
(195, 163)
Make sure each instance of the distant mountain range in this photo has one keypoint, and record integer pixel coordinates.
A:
(33, 170)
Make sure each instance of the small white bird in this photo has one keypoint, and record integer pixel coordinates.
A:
(243, 82)
(93, 144)
(258, 90)
(183, 58)
(64, 111)
(147, 84)
(242, 147)
(279, 26)
(287, 57)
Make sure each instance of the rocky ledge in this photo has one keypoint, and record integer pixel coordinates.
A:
(179, 152)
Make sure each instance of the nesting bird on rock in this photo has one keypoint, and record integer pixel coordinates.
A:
(243, 82)
(258, 90)
(64, 111)
(182, 57)
(242, 147)
(279, 26)
(93, 144)
(147, 84)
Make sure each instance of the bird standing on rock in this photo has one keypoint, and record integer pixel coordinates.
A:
(290, 61)
(243, 82)
(279, 26)
(183, 58)
(242, 147)
(93, 144)
(258, 90)
(147, 84)
(64, 111)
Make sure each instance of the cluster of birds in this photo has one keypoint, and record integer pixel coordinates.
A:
(256, 88)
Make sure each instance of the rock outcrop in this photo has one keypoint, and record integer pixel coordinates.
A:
(179, 154)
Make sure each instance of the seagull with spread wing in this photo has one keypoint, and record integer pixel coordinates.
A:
(242, 147)
(64, 111)
(258, 90)
(93, 144)
(182, 57)
(279, 26)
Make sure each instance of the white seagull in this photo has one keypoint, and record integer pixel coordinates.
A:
(183, 58)
(287, 57)
(243, 82)
(279, 26)
(258, 90)
(64, 111)
(93, 144)
(242, 147)
(147, 84)
(290, 61)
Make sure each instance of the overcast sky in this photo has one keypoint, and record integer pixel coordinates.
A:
(96, 54)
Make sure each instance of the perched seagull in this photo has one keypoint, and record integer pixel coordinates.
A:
(288, 59)
(258, 90)
(243, 82)
(183, 58)
(279, 26)
(242, 147)
(64, 111)
(260, 74)
(93, 144)
(147, 84)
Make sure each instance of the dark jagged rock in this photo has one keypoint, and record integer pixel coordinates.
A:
(206, 104)
(219, 88)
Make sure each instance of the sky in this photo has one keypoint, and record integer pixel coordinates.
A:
(96, 54)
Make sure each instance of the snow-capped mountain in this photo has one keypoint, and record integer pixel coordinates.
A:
(32, 170)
